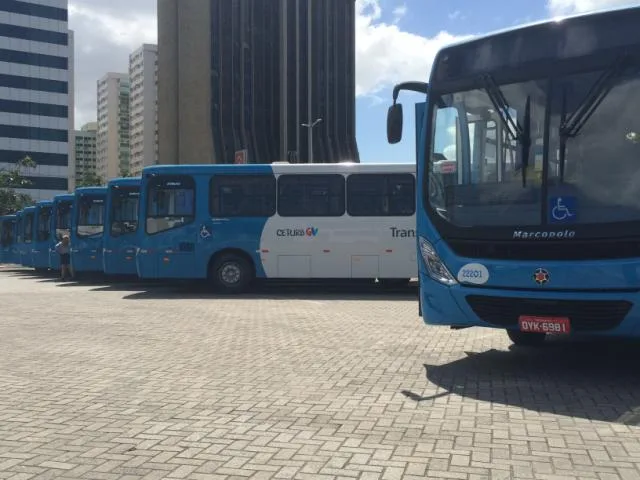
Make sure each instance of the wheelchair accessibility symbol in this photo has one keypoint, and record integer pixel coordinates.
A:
(563, 209)
(204, 232)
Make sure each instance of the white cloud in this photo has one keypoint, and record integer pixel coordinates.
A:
(399, 12)
(386, 55)
(568, 7)
(106, 32)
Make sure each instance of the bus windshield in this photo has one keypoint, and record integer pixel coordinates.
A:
(484, 171)
(170, 204)
(124, 211)
(44, 224)
(90, 215)
(63, 219)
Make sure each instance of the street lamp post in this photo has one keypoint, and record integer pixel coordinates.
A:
(310, 127)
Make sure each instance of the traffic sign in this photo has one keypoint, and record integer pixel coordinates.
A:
(240, 157)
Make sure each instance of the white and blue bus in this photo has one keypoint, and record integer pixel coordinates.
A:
(234, 223)
(528, 216)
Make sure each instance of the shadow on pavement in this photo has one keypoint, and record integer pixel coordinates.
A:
(275, 289)
(271, 290)
(595, 380)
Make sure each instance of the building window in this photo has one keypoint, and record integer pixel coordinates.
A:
(34, 10)
(29, 83)
(34, 133)
(30, 108)
(35, 59)
(34, 34)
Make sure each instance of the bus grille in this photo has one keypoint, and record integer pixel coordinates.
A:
(584, 315)
(539, 250)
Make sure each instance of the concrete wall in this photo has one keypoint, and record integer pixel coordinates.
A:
(184, 82)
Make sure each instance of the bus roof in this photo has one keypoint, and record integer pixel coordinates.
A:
(8, 217)
(29, 209)
(125, 181)
(279, 168)
(541, 24)
(63, 196)
(44, 203)
(89, 190)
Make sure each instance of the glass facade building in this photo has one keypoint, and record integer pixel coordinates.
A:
(36, 92)
(261, 69)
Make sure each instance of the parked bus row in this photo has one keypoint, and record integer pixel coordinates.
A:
(229, 224)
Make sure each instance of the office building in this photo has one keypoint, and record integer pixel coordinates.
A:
(143, 119)
(112, 137)
(237, 81)
(36, 92)
(85, 164)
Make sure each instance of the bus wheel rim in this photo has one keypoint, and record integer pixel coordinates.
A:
(230, 273)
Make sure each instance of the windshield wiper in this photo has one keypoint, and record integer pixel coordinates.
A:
(570, 127)
(522, 134)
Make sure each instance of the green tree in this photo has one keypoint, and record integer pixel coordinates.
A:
(89, 179)
(12, 179)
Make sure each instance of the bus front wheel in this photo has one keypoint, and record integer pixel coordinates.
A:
(231, 273)
(526, 339)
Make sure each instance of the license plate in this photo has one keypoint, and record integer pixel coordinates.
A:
(557, 325)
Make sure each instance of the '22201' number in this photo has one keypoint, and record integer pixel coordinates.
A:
(472, 274)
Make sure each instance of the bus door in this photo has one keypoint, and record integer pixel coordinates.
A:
(43, 237)
(60, 226)
(5, 243)
(170, 225)
(28, 237)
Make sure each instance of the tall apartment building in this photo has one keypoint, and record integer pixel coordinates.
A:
(243, 77)
(112, 137)
(36, 92)
(143, 119)
(85, 163)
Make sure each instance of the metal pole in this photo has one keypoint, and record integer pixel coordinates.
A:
(309, 77)
(311, 143)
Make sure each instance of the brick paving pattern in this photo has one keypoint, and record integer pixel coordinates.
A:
(130, 382)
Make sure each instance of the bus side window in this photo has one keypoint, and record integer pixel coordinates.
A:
(380, 195)
(311, 195)
(242, 196)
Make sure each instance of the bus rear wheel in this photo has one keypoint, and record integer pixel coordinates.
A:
(526, 339)
(231, 273)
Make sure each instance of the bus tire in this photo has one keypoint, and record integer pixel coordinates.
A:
(526, 339)
(232, 273)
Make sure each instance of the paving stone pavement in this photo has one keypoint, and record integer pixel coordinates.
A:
(103, 381)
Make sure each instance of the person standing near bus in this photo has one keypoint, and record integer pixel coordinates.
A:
(62, 248)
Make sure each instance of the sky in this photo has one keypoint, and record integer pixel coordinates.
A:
(396, 40)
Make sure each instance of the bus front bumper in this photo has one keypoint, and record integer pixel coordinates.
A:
(613, 313)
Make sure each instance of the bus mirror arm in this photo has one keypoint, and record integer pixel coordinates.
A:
(394, 114)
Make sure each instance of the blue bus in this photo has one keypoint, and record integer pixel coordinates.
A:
(87, 228)
(230, 224)
(42, 236)
(61, 216)
(28, 236)
(528, 180)
(121, 226)
(8, 247)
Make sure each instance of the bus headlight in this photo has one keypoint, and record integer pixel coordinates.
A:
(436, 269)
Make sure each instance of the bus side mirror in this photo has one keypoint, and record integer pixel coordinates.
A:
(394, 123)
